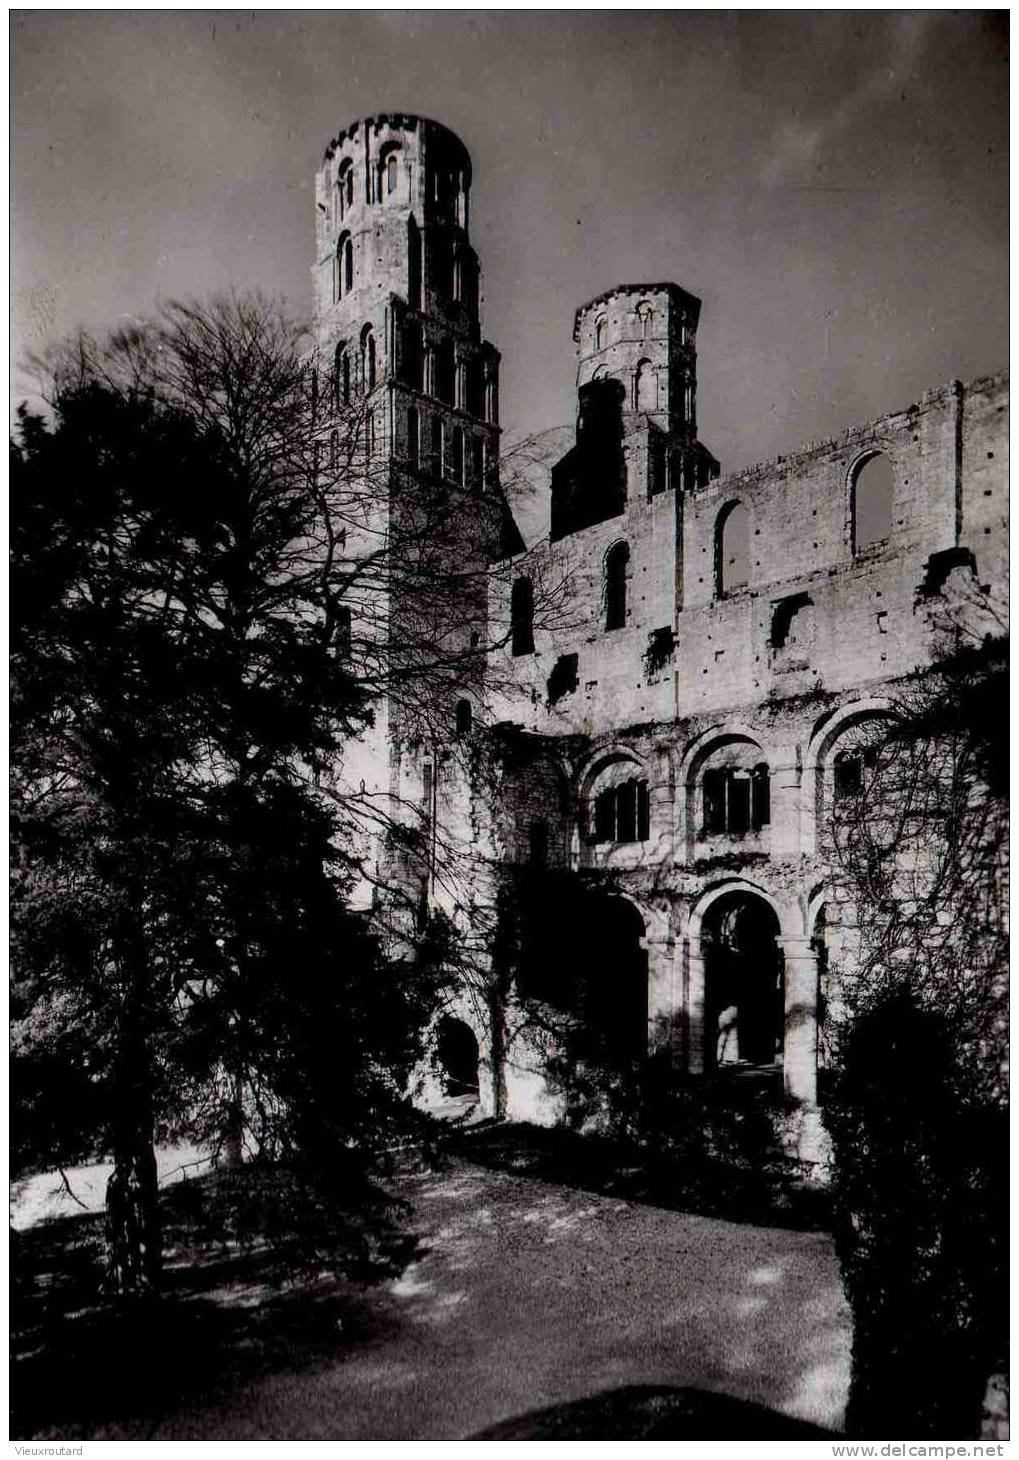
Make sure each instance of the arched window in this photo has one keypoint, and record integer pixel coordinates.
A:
(847, 772)
(737, 799)
(491, 398)
(622, 812)
(460, 399)
(645, 319)
(440, 263)
(413, 435)
(870, 492)
(464, 717)
(646, 387)
(522, 617)
(458, 455)
(853, 765)
(460, 200)
(414, 262)
(617, 565)
(475, 392)
(600, 333)
(437, 445)
(412, 355)
(390, 174)
(458, 278)
(445, 372)
(368, 358)
(732, 549)
(341, 376)
(345, 186)
(343, 267)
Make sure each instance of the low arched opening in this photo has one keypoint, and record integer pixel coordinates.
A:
(458, 1056)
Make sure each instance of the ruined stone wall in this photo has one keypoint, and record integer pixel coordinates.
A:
(948, 460)
(984, 462)
(865, 623)
(735, 697)
(750, 677)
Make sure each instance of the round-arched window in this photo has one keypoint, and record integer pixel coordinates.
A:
(732, 549)
(617, 567)
(646, 387)
(871, 487)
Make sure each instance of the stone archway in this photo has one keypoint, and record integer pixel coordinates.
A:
(744, 982)
(584, 953)
(458, 1056)
(615, 992)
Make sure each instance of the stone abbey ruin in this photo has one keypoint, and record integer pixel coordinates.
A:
(624, 811)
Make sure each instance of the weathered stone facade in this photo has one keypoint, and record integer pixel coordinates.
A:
(677, 730)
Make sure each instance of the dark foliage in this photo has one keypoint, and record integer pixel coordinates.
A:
(920, 1189)
(916, 1111)
(185, 958)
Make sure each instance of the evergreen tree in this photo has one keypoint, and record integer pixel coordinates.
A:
(185, 958)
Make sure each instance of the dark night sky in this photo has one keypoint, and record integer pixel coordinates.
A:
(833, 184)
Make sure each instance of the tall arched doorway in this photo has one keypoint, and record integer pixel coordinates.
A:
(614, 962)
(744, 994)
(458, 1056)
(583, 953)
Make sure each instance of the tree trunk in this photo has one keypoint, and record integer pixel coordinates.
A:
(497, 1046)
(232, 1149)
(133, 1236)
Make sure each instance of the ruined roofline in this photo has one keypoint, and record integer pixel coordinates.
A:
(675, 292)
(860, 429)
(407, 121)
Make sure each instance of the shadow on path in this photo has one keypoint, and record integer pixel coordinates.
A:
(654, 1412)
(81, 1360)
(514, 1293)
(766, 1198)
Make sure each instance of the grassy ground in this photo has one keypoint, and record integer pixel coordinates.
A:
(529, 1299)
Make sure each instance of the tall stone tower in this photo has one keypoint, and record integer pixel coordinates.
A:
(637, 405)
(396, 290)
(404, 373)
(645, 336)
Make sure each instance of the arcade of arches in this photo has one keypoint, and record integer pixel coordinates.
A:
(583, 955)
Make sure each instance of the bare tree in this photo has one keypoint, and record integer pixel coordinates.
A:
(233, 605)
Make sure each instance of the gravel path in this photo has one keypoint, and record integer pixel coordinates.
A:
(529, 1295)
